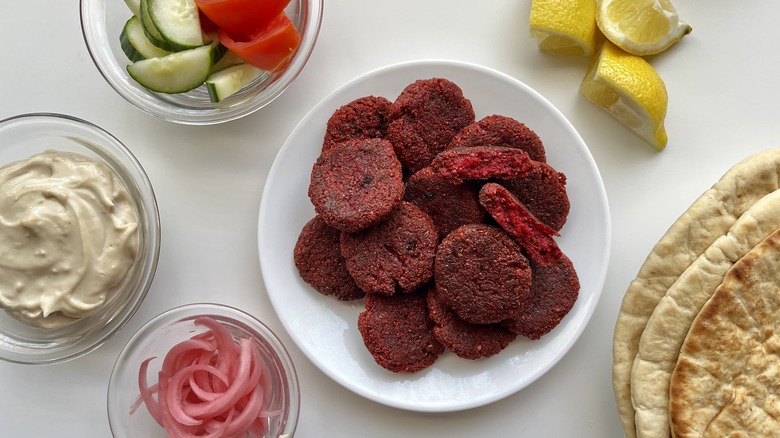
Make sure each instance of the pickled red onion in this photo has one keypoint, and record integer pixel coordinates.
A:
(209, 386)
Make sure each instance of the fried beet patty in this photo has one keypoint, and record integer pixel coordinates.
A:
(543, 192)
(320, 264)
(394, 256)
(449, 205)
(554, 289)
(498, 130)
(481, 274)
(540, 187)
(363, 118)
(535, 237)
(397, 332)
(356, 184)
(482, 163)
(467, 340)
(424, 119)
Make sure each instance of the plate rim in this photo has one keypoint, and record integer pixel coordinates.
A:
(604, 213)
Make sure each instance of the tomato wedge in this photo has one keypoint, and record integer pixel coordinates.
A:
(268, 48)
(241, 15)
(206, 25)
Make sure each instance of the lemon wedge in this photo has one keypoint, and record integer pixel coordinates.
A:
(631, 90)
(640, 27)
(565, 27)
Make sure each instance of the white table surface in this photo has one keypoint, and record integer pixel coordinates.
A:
(723, 89)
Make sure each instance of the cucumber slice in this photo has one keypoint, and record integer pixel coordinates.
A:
(135, 44)
(178, 22)
(230, 80)
(150, 30)
(178, 72)
(219, 52)
(134, 6)
(228, 59)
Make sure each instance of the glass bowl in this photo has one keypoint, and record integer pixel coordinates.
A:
(102, 22)
(161, 333)
(25, 135)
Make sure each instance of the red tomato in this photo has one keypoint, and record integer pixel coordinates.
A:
(206, 25)
(241, 15)
(268, 48)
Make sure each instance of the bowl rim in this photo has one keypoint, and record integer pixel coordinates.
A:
(188, 312)
(115, 154)
(92, 17)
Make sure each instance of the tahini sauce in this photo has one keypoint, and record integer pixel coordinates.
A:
(68, 236)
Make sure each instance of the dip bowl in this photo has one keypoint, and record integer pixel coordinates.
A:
(129, 418)
(102, 22)
(26, 135)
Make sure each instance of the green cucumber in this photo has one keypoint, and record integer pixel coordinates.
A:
(177, 21)
(135, 44)
(178, 72)
(230, 80)
(134, 6)
(219, 52)
(226, 60)
(154, 35)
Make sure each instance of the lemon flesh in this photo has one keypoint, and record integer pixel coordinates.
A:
(631, 90)
(565, 27)
(640, 27)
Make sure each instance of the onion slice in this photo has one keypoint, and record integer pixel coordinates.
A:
(210, 385)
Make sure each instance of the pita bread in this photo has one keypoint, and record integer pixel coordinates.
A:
(727, 379)
(668, 325)
(708, 218)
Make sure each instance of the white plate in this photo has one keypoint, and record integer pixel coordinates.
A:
(326, 330)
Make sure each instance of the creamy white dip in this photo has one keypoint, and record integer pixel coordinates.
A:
(68, 236)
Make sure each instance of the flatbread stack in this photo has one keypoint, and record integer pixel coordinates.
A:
(680, 276)
(727, 377)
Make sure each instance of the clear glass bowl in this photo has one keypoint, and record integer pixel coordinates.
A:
(164, 331)
(102, 22)
(26, 135)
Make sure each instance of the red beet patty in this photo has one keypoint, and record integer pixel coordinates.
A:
(356, 184)
(394, 256)
(498, 130)
(320, 263)
(469, 341)
(543, 192)
(398, 333)
(363, 118)
(482, 163)
(449, 205)
(554, 289)
(535, 237)
(425, 118)
(481, 274)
